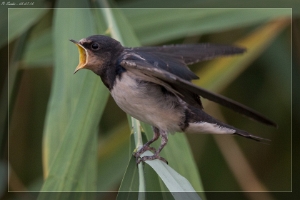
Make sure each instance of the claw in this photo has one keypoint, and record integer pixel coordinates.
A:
(146, 147)
(153, 157)
(142, 150)
(138, 154)
(137, 160)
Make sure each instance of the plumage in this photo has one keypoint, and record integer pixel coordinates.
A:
(140, 66)
(153, 84)
(157, 107)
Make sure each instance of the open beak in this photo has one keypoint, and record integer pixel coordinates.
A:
(83, 56)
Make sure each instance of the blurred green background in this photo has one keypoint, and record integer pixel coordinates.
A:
(49, 108)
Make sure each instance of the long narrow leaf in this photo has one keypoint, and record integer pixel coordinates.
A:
(21, 19)
(11, 78)
(129, 188)
(39, 51)
(130, 185)
(167, 24)
(76, 105)
(117, 27)
(112, 151)
(64, 93)
(220, 72)
(177, 184)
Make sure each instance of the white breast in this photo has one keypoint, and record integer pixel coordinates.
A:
(146, 102)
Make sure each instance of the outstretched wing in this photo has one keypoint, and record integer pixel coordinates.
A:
(175, 58)
(140, 65)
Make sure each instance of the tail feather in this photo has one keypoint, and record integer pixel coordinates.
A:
(199, 121)
(252, 137)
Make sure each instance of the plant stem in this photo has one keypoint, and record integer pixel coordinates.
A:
(139, 143)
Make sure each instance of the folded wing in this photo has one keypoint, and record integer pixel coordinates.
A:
(175, 58)
(139, 64)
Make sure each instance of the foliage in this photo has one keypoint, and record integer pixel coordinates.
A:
(66, 134)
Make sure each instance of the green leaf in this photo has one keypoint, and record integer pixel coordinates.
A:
(112, 151)
(10, 15)
(168, 24)
(216, 4)
(11, 80)
(153, 187)
(20, 20)
(119, 26)
(178, 152)
(130, 182)
(39, 52)
(179, 155)
(65, 95)
(39, 49)
(76, 105)
(177, 184)
(218, 73)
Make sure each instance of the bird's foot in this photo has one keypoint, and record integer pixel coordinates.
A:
(143, 149)
(164, 140)
(138, 154)
(153, 157)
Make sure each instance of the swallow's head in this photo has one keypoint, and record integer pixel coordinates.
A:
(97, 52)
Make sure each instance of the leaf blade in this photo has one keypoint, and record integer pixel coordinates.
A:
(21, 20)
(177, 184)
(168, 24)
(220, 72)
(71, 125)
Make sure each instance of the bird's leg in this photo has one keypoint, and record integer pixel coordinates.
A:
(164, 141)
(146, 146)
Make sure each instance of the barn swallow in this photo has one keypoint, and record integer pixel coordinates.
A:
(153, 85)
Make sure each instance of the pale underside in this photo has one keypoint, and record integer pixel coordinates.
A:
(150, 105)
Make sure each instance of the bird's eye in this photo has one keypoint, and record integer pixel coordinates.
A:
(95, 46)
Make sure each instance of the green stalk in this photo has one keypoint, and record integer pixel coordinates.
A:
(136, 125)
(115, 32)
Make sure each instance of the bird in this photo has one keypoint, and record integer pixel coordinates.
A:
(154, 85)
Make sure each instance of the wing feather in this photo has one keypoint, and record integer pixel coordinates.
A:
(175, 58)
(144, 67)
(193, 53)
